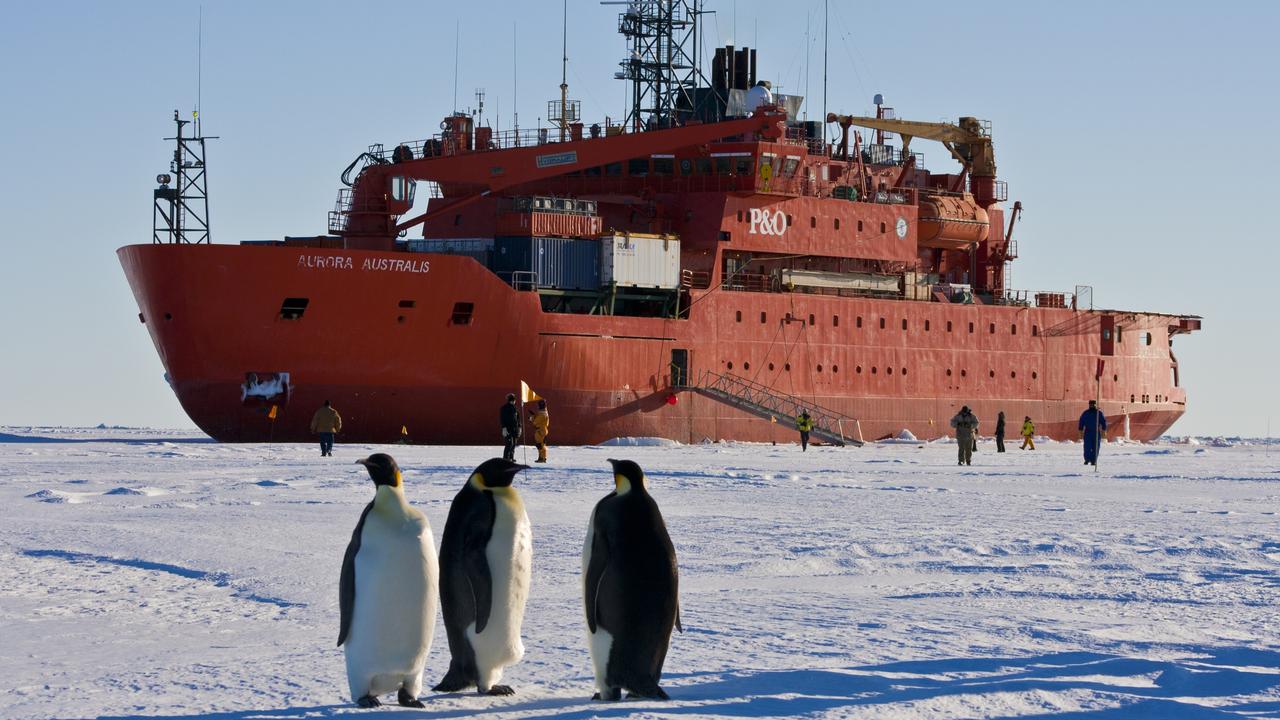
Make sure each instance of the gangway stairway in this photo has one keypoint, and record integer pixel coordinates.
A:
(765, 402)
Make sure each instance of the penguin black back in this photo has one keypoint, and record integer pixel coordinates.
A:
(631, 583)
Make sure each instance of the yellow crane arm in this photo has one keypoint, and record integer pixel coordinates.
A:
(966, 141)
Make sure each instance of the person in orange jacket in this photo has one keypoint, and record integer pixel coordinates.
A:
(541, 425)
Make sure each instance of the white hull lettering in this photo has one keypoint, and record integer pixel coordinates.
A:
(764, 222)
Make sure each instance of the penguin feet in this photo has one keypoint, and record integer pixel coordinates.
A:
(406, 700)
(500, 690)
(453, 682)
(369, 701)
(653, 693)
(611, 695)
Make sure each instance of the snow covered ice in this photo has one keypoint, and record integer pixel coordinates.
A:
(154, 573)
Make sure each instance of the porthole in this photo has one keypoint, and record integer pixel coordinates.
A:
(770, 367)
(888, 371)
(858, 369)
(787, 367)
(991, 373)
(964, 373)
(730, 364)
(746, 366)
(1034, 375)
(1115, 378)
(819, 368)
(903, 371)
(948, 372)
(1013, 373)
(873, 369)
(835, 369)
(400, 319)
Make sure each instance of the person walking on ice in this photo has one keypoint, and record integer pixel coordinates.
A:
(1093, 427)
(966, 427)
(1028, 434)
(804, 424)
(326, 423)
(1000, 432)
(509, 417)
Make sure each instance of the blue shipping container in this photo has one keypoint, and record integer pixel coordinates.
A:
(560, 263)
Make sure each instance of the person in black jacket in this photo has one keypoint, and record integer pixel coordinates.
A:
(509, 416)
(1000, 432)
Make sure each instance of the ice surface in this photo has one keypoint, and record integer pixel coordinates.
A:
(154, 573)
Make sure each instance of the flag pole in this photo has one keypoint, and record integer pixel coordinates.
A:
(1097, 417)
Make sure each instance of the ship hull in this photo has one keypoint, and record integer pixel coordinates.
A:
(423, 349)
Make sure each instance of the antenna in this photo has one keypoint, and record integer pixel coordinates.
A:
(515, 81)
(457, 32)
(826, 23)
(565, 112)
(199, 65)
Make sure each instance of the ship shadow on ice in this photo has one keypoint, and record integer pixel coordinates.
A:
(1137, 687)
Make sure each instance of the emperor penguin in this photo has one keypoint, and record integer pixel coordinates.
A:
(486, 560)
(630, 588)
(387, 593)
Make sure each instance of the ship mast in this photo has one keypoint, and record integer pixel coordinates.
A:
(662, 62)
(181, 212)
(564, 113)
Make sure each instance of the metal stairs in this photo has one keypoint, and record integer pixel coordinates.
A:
(765, 402)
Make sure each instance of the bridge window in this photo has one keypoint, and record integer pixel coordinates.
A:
(663, 166)
(613, 169)
(290, 309)
(462, 312)
(743, 166)
(638, 167)
(703, 165)
(724, 165)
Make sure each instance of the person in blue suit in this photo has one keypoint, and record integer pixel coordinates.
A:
(1093, 427)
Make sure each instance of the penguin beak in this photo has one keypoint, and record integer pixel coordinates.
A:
(364, 462)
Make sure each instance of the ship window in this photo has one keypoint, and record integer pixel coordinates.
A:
(858, 369)
(788, 221)
(613, 169)
(1119, 333)
(400, 319)
(926, 326)
(723, 165)
(991, 373)
(1034, 374)
(1013, 373)
(1013, 329)
(292, 308)
(704, 165)
(739, 216)
(462, 313)
(663, 166)
(883, 228)
(993, 329)
(457, 219)
(764, 317)
(1132, 398)
(858, 321)
(904, 371)
(398, 188)
(168, 316)
(1148, 338)
(407, 303)
(888, 371)
(964, 373)
(724, 236)
(813, 221)
(819, 368)
(770, 367)
(789, 166)
(873, 369)
(746, 366)
(786, 366)
(835, 368)
(1115, 378)
(1035, 331)
(811, 320)
(881, 323)
(595, 171)
(948, 372)
(738, 316)
(730, 364)
(743, 166)
(904, 323)
(971, 328)
(686, 167)
(638, 167)
(948, 326)
(835, 321)
(859, 226)
(837, 223)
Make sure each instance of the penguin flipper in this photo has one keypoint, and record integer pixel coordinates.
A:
(595, 575)
(347, 581)
(476, 562)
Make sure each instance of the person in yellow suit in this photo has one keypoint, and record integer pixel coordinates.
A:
(1028, 434)
(541, 425)
(804, 423)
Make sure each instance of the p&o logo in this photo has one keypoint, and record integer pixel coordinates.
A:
(764, 222)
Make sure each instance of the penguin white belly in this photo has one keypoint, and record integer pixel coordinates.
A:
(600, 642)
(510, 558)
(395, 606)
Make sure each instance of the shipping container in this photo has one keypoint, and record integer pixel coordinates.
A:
(480, 249)
(640, 260)
(548, 262)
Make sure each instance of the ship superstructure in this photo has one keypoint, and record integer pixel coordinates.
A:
(702, 269)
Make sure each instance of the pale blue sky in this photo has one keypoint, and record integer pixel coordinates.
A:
(1139, 136)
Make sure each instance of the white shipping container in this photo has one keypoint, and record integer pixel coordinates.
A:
(640, 260)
